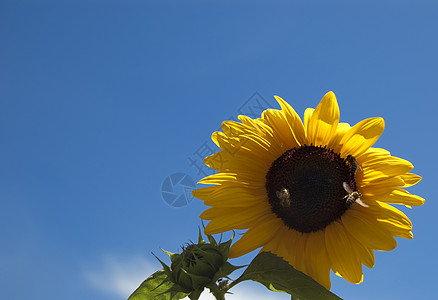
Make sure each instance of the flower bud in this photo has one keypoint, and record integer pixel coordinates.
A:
(196, 266)
(199, 266)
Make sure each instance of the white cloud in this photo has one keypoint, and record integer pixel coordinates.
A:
(117, 278)
(248, 290)
(120, 277)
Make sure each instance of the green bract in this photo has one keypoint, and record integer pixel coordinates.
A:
(196, 266)
(199, 266)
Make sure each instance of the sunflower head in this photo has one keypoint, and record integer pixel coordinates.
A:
(314, 192)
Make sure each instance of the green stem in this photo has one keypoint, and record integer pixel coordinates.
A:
(219, 296)
(234, 282)
(195, 295)
(217, 292)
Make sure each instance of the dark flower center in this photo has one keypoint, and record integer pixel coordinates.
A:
(306, 187)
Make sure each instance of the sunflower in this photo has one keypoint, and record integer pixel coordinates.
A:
(315, 193)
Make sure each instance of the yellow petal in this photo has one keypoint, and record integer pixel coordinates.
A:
(253, 136)
(366, 254)
(219, 178)
(400, 232)
(277, 120)
(205, 192)
(217, 161)
(258, 127)
(307, 116)
(372, 154)
(388, 166)
(258, 235)
(344, 261)
(324, 121)
(214, 138)
(259, 124)
(294, 121)
(393, 215)
(228, 144)
(366, 229)
(233, 221)
(380, 186)
(292, 249)
(410, 179)
(240, 212)
(399, 196)
(362, 136)
(234, 197)
(335, 142)
(284, 244)
(235, 129)
(317, 261)
(276, 243)
(395, 221)
(261, 147)
(249, 122)
(243, 162)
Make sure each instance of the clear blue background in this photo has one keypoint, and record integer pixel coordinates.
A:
(101, 100)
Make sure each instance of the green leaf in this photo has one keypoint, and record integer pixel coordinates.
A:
(156, 287)
(278, 275)
(225, 270)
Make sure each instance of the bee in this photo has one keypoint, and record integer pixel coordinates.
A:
(354, 166)
(352, 197)
(284, 197)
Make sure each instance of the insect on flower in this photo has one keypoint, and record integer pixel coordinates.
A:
(294, 184)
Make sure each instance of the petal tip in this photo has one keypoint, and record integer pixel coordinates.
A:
(330, 103)
(279, 100)
(330, 94)
(330, 97)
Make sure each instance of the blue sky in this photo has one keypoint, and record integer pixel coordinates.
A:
(100, 101)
